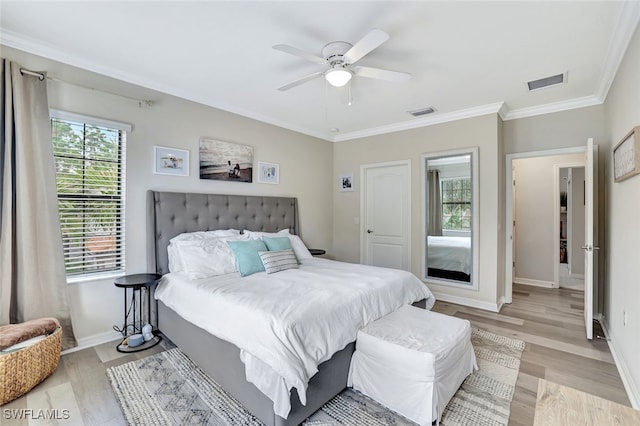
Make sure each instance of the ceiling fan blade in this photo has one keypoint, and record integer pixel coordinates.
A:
(381, 74)
(297, 52)
(373, 39)
(300, 81)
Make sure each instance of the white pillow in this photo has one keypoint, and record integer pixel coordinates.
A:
(298, 246)
(301, 251)
(257, 234)
(199, 235)
(279, 260)
(204, 257)
(175, 264)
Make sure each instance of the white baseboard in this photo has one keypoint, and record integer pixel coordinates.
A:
(633, 393)
(537, 283)
(95, 340)
(473, 303)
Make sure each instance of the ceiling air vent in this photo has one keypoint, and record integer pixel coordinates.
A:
(423, 111)
(547, 81)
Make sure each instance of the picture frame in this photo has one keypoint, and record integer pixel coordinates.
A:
(226, 161)
(268, 173)
(345, 183)
(170, 161)
(626, 156)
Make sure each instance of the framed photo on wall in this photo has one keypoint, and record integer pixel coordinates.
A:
(626, 156)
(268, 173)
(232, 162)
(170, 161)
(346, 183)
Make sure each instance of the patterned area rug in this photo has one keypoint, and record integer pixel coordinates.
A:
(169, 389)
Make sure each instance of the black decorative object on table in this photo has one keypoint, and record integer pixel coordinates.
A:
(136, 283)
(317, 252)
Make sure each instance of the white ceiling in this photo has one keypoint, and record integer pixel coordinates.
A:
(465, 58)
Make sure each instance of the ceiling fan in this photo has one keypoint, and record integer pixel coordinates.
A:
(340, 57)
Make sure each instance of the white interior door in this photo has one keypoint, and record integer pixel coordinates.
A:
(590, 245)
(386, 215)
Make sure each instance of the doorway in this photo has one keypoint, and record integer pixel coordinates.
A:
(540, 245)
(588, 157)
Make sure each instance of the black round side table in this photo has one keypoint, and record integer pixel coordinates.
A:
(136, 283)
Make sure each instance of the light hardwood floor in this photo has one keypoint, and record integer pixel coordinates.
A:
(549, 321)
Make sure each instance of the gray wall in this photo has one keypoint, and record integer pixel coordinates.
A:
(622, 253)
(410, 145)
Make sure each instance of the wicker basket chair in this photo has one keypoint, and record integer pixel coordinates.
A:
(23, 369)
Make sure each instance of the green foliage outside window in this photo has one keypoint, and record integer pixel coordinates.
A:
(456, 203)
(89, 185)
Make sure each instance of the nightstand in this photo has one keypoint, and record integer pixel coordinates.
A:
(317, 252)
(136, 283)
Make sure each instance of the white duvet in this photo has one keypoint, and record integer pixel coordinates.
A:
(287, 323)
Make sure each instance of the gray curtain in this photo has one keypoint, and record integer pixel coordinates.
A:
(32, 273)
(435, 203)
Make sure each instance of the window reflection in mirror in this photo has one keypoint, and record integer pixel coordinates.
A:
(450, 195)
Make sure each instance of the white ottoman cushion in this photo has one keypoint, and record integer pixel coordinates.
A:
(413, 361)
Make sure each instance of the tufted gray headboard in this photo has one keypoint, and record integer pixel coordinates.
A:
(172, 213)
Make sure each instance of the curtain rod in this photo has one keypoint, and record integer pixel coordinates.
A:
(41, 76)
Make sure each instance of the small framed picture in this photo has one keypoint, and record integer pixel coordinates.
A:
(170, 161)
(346, 183)
(268, 173)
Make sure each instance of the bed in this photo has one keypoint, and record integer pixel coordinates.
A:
(171, 214)
(449, 257)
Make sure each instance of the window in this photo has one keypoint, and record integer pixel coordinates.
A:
(456, 203)
(90, 160)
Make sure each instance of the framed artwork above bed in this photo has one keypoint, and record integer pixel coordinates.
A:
(227, 161)
(170, 161)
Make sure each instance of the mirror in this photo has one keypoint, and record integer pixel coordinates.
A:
(450, 217)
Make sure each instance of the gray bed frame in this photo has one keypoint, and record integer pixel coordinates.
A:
(170, 214)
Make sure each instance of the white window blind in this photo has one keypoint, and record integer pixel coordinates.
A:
(90, 178)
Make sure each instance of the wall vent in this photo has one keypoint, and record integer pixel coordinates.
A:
(423, 111)
(553, 80)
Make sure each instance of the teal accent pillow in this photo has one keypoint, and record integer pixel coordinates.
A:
(247, 257)
(279, 243)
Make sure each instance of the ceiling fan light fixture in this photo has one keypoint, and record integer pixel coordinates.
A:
(338, 76)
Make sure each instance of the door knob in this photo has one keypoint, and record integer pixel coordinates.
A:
(369, 231)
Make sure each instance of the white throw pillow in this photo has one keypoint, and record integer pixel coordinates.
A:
(301, 251)
(276, 261)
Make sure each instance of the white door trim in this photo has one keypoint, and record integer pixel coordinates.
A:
(363, 191)
(508, 255)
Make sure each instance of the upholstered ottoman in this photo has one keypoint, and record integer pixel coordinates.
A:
(413, 361)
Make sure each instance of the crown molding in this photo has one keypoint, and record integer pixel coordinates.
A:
(585, 101)
(26, 44)
(625, 28)
(422, 122)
